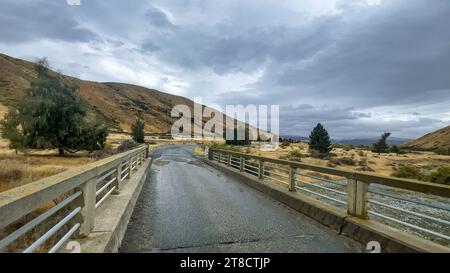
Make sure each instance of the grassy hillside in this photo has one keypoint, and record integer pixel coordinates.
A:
(115, 104)
(439, 139)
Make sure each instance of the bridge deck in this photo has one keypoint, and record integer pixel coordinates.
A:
(186, 206)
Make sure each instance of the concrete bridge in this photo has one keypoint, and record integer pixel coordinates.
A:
(168, 200)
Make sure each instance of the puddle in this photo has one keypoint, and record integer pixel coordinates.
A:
(197, 163)
(161, 163)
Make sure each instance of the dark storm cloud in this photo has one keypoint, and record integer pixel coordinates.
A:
(398, 54)
(394, 53)
(24, 21)
(359, 69)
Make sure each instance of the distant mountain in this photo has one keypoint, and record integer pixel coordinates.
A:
(431, 141)
(355, 141)
(296, 138)
(369, 141)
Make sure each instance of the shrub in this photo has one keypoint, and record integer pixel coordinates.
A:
(440, 176)
(137, 131)
(362, 162)
(334, 162)
(126, 146)
(348, 147)
(11, 175)
(408, 171)
(361, 153)
(285, 144)
(394, 149)
(295, 155)
(442, 151)
(348, 161)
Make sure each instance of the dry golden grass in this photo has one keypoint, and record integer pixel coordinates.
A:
(199, 151)
(3, 111)
(17, 170)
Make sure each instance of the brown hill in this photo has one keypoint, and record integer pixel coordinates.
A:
(115, 104)
(439, 139)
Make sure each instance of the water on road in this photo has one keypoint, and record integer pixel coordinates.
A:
(188, 206)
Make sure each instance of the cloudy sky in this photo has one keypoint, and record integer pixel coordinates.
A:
(359, 67)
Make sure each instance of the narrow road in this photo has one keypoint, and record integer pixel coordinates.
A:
(188, 206)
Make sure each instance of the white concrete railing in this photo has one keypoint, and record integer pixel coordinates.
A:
(352, 191)
(83, 191)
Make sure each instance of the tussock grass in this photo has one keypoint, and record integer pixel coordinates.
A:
(18, 170)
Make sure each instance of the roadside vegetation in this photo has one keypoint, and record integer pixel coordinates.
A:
(51, 115)
(137, 131)
(379, 158)
(48, 131)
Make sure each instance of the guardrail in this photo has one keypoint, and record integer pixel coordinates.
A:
(82, 190)
(362, 194)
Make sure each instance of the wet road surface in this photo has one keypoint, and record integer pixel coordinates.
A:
(187, 206)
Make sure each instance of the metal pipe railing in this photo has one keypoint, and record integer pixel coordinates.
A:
(84, 181)
(356, 186)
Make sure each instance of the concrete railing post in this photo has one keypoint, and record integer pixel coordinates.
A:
(241, 164)
(357, 198)
(87, 203)
(220, 157)
(130, 165)
(292, 185)
(261, 170)
(229, 160)
(118, 177)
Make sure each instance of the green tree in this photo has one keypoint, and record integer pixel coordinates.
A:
(319, 140)
(51, 115)
(381, 146)
(137, 131)
(395, 149)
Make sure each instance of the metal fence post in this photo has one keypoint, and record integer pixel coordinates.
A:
(261, 170)
(292, 185)
(357, 198)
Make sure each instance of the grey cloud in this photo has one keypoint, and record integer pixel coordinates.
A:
(333, 68)
(158, 18)
(345, 123)
(398, 54)
(22, 21)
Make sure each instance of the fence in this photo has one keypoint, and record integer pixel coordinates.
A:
(79, 193)
(414, 206)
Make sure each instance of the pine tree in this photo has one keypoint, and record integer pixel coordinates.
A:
(51, 115)
(319, 140)
(137, 131)
(381, 146)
